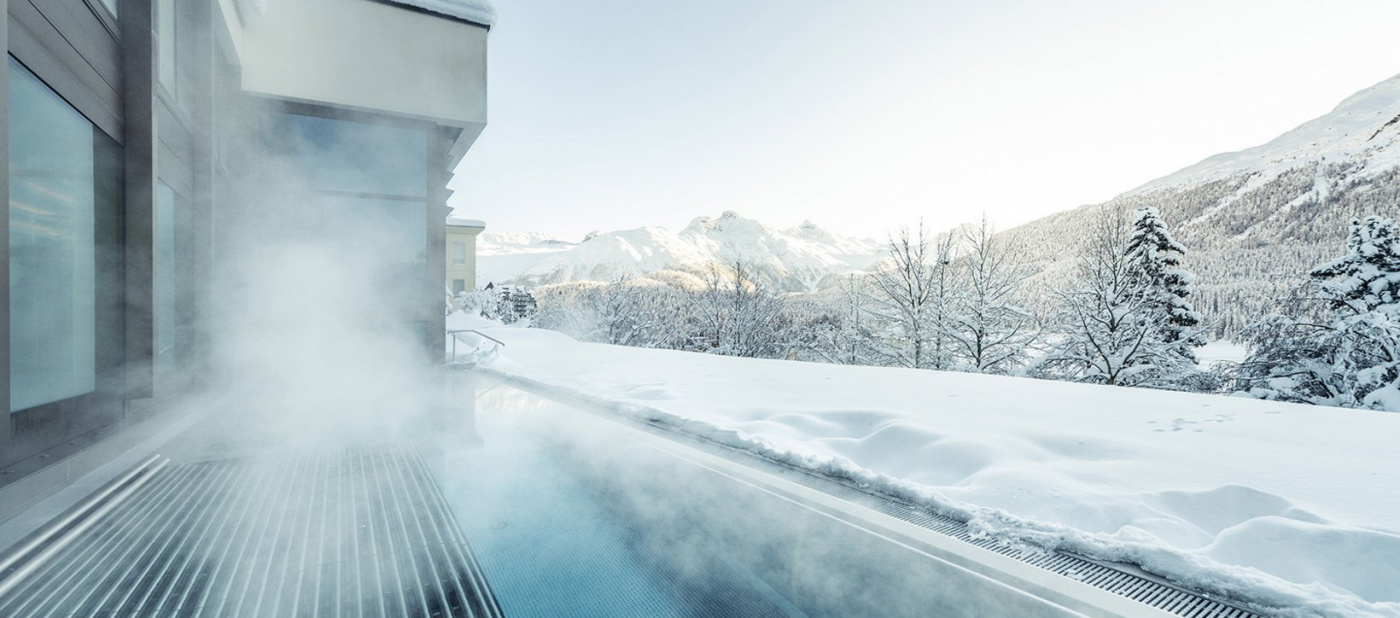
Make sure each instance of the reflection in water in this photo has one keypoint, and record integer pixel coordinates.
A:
(576, 515)
(572, 514)
(553, 543)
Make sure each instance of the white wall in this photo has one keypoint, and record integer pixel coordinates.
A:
(467, 272)
(364, 54)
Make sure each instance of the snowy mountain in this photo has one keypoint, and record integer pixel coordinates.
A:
(510, 243)
(1257, 220)
(798, 259)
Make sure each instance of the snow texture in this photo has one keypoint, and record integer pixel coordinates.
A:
(475, 11)
(1287, 508)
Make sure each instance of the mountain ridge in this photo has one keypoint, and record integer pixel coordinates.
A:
(799, 259)
(1254, 220)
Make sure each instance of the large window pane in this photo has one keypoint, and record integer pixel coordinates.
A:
(355, 157)
(53, 304)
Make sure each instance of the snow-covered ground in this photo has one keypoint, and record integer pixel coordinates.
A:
(1221, 352)
(1294, 507)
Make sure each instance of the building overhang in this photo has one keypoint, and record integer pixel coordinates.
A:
(379, 56)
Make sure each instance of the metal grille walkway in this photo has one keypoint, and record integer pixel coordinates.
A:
(360, 533)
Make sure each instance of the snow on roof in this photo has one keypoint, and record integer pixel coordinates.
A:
(466, 222)
(475, 11)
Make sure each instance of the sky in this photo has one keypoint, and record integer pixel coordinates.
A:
(862, 116)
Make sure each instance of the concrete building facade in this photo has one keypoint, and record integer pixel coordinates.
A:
(147, 140)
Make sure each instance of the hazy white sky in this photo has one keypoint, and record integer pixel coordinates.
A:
(866, 114)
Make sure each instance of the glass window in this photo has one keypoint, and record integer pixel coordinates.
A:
(60, 188)
(459, 252)
(356, 157)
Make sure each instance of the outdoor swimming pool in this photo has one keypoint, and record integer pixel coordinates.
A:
(570, 513)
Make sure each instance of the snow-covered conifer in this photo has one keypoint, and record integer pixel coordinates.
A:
(1156, 258)
(1109, 326)
(1347, 352)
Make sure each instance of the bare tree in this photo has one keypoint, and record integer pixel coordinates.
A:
(638, 313)
(737, 315)
(635, 312)
(857, 327)
(913, 294)
(989, 331)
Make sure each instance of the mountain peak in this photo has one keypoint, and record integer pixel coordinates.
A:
(794, 260)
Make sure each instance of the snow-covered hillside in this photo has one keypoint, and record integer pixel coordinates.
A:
(1364, 129)
(798, 259)
(1256, 220)
(1291, 508)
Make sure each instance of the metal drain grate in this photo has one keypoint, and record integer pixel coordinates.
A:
(363, 533)
(1111, 577)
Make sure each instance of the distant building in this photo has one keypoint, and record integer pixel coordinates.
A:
(461, 253)
(513, 302)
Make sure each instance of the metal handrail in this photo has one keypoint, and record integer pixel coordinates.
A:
(473, 330)
(454, 332)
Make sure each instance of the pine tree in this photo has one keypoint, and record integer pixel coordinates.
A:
(1155, 259)
(1367, 278)
(1347, 353)
(1110, 326)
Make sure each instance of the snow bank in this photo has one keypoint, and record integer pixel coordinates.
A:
(1291, 509)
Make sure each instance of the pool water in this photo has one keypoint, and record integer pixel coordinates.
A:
(572, 512)
(550, 542)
